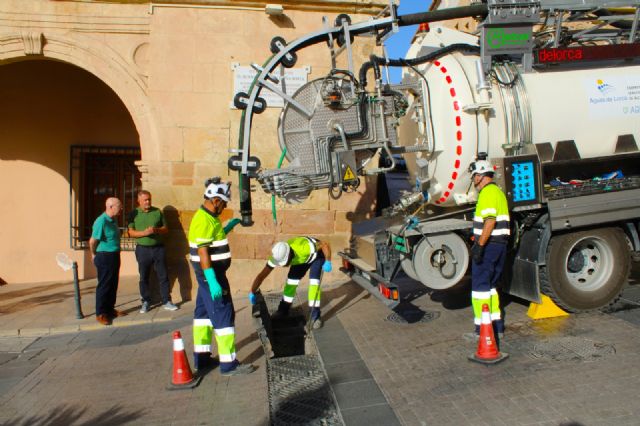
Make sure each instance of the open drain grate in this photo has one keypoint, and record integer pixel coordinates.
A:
(412, 316)
(572, 348)
(299, 392)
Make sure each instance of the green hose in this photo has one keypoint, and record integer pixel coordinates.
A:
(273, 197)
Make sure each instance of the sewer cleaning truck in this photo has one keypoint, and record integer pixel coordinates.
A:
(547, 91)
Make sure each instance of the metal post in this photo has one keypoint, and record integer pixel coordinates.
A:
(76, 287)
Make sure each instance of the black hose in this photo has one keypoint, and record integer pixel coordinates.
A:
(443, 14)
(246, 210)
(375, 61)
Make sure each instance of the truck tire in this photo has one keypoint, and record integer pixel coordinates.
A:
(586, 270)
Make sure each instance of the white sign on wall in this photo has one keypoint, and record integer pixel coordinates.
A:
(294, 78)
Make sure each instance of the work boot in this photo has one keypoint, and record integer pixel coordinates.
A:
(317, 324)
(204, 360)
(316, 321)
(241, 369)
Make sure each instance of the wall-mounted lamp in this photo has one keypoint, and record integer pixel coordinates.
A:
(274, 9)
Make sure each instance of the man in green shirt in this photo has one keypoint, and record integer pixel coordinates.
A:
(105, 252)
(146, 223)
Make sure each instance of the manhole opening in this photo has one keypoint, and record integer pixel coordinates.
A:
(286, 335)
(572, 348)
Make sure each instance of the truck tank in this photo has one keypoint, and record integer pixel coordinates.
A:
(461, 114)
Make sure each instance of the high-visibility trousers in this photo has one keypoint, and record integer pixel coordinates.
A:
(484, 278)
(296, 273)
(221, 313)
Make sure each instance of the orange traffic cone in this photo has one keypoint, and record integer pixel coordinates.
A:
(488, 352)
(182, 377)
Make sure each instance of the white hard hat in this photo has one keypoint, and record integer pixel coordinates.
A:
(215, 189)
(280, 253)
(481, 167)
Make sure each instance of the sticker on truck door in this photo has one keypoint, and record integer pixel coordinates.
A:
(613, 96)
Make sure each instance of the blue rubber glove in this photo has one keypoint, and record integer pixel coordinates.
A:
(214, 285)
(326, 266)
(231, 224)
(252, 298)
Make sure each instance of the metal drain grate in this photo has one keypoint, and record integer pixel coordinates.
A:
(299, 392)
(572, 348)
(412, 316)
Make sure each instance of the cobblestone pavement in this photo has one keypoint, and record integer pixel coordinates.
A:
(576, 370)
(115, 375)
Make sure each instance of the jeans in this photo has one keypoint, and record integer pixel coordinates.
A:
(148, 256)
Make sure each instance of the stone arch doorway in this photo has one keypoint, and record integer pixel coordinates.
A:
(47, 108)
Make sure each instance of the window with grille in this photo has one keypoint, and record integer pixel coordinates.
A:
(96, 173)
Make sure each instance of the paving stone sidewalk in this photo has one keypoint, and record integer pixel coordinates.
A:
(77, 371)
(576, 370)
(40, 309)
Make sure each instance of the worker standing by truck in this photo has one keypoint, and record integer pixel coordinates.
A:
(302, 254)
(491, 235)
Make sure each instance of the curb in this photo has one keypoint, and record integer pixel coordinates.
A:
(64, 329)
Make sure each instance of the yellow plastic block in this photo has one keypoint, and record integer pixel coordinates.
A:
(546, 309)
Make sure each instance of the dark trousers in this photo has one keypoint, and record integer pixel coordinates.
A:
(108, 267)
(148, 256)
(297, 272)
(485, 275)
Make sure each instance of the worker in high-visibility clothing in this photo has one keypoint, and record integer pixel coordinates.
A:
(301, 254)
(210, 258)
(491, 232)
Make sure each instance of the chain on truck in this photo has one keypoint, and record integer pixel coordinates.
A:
(548, 91)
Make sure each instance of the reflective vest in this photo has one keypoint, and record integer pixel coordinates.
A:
(492, 203)
(206, 231)
(304, 249)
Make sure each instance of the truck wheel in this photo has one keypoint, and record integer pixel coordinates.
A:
(586, 270)
(441, 260)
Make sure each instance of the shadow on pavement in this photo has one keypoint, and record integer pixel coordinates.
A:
(67, 415)
(36, 301)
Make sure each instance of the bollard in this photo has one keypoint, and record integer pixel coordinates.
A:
(65, 263)
(76, 287)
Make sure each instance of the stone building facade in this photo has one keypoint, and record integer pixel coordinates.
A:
(104, 97)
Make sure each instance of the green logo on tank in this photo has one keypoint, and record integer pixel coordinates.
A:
(498, 38)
